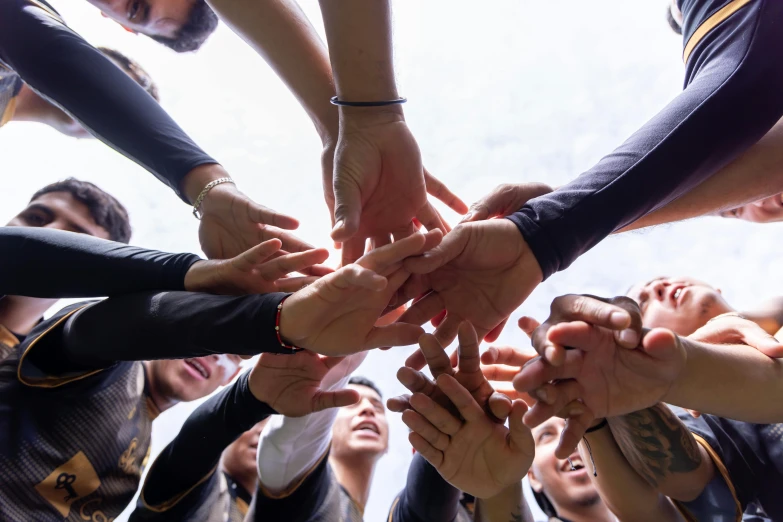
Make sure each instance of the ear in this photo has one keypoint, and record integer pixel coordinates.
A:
(719, 291)
(535, 484)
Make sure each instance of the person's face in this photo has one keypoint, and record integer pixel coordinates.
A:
(680, 304)
(554, 477)
(239, 459)
(767, 210)
(60, 211)
(186, 380)
(361, 429)
(151, 17)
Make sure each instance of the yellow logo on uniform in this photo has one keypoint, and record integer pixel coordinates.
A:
(128, 458)
(73, 480)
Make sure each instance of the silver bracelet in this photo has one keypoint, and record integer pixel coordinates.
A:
(205, 191)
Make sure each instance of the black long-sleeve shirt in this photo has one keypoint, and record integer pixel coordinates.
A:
(732, 97)
(60, 65)
(40, 262)
(183, 480)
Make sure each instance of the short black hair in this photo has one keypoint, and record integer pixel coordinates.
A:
(364, 381)
(106, 211)
(672, 22)
(132, 69)
(202, 22)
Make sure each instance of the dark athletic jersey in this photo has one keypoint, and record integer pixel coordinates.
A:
(72, 447)
(10, 85)
(318, 497)
(8, 342)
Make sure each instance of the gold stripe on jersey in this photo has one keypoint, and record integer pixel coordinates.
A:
(8, 113)
(50, 381)
(8, 342)
(391, 511)
(48, 10)
(711, 23)
(173, 501)
(242, 506)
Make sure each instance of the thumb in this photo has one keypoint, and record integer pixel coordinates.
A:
(500, 406)
(395, 334)
(347, 208)
(335, 399)
(763, 342)
(248, 259)
(520, 439)
(528, 325)
(450, 247)
(660, 343)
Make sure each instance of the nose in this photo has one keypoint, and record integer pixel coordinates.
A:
(366, 408)
(657, 289)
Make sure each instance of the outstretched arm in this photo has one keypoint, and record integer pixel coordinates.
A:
(426, 496)
(507, 506)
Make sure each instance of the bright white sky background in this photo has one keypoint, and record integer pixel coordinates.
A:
(502, 91)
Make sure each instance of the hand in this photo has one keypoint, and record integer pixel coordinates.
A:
(607, 378)
(468, 375)
(505, 200)
(733, 329)
(478, 455)
(257, 271)
(291, 384)
(480, 273)
(336, 315)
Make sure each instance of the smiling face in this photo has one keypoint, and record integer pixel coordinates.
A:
(681, 304)
(361, 429)
(767, 210)
(190, 379)
(567, 489)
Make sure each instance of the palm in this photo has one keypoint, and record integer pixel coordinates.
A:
(480, 461)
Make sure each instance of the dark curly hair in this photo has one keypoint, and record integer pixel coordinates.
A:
(364, 381)
(132, 69)
(106, 211)
(202, 22)
(674, 24)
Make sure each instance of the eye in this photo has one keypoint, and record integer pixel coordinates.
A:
(545, 436)
(133, 10)
(35, 219)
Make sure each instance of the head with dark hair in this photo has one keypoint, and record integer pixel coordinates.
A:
(77, 206)
(361, 430)
(364, 381)
(182, 25)
(674, 23)
(132, 69)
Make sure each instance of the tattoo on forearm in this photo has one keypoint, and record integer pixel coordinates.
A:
(656, 443)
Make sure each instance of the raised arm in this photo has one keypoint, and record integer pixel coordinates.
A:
(426, 496)
(508, 505)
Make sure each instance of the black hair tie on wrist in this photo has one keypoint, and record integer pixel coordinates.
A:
(335, 101)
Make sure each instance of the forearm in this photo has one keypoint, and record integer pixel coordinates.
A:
(165, 325)
(197, 449)
(360, 47)
(427, 497)
(625, 492)
(724, 380)
(281, 33)
(661, 449)
(757, 174)
(63, 67)
(39, 262)
(507, 506)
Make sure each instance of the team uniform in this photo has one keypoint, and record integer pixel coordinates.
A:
(316, 497)
(185, 483)
(733, 82)
(748, 460)
(429, 498)
(10, 86)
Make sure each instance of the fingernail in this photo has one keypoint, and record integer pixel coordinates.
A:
(541, 395)
(549, 353)
(467, 217)
(618, 319)
(629, 336)
(339, 224)
(576, 411)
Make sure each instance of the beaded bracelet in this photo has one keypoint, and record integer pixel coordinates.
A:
(336, 101)
(277, 328)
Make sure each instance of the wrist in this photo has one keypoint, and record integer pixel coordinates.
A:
(195, 181)
(361, 117)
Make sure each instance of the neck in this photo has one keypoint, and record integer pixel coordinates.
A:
(355, 475)
(162, 401)
(597, 512)
(31, 107)
(20, 314)
(248, 481)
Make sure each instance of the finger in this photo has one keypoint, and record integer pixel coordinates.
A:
(317, 270)
(291, 243)
(451, 246)
(425, 449)
(352, 250)
(396, 334)
(431, 219)
(435, 322)
(509, 391)
(661, 344)
(330, 362)
(520, 440)
(436, 357)
(283, 265)
(416, 422)
(358, 276)
(347, 206)
(379, 241)
(499, 372)
(401, 233)
(493, 334)
(384, 257)
(461, 398)
(754, 336)
(508, 355)
(538, 372)
(578, 334)
(575, 427)
(335, 399)
(590, 309)
(423, 310)
(399, 404)
(499, 406)
(415, 381)
(528, 325)
(567, 391)
(416, 360)
(436, 414)
(437, 189)
(292, 284)
(248, 260)
(468, 349)
(447, 331)
(261, 214)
